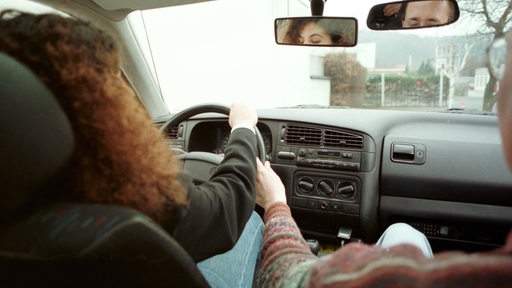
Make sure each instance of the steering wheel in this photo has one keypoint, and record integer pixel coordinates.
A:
(203, 164)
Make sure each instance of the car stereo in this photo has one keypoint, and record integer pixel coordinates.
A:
(331, 159)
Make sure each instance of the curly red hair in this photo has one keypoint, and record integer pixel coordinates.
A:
(120, 156)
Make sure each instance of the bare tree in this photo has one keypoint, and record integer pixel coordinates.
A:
(348, 78)
(496, 14)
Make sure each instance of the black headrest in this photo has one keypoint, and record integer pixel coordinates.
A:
(36, 136)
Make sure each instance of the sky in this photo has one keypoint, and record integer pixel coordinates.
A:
(230, 54)
(227, 52)
(224, 51)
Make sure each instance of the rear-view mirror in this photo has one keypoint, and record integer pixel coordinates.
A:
(412, 14)
(316, 31)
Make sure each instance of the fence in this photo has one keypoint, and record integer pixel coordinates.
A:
(406, 91)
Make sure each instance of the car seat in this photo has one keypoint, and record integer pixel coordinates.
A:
(47, 243)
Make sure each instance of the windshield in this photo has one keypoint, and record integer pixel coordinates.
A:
(224, 52)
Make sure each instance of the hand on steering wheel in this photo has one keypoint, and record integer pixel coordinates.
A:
(203, 164)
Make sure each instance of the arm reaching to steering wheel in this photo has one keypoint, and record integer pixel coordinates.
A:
(220, 207)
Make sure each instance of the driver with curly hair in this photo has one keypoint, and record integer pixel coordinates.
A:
(121, 157)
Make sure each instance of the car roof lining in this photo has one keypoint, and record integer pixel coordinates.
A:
(114, 10)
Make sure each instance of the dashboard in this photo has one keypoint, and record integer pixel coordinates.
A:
(350, 173)
(214, 136)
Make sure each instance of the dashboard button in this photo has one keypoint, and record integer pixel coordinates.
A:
(314, 204)
(300, 202)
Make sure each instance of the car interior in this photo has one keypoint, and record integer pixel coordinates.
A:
(349, 172)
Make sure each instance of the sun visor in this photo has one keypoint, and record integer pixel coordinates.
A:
(142, 5)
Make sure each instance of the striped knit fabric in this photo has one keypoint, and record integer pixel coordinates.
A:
(288, 262)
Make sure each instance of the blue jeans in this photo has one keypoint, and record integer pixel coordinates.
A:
(235, 268)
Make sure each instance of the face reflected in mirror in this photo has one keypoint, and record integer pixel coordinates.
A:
(316, 31)
(426, 13)
(413, 14)
(314, 34)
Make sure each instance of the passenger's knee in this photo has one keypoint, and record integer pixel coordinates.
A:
(400, 228)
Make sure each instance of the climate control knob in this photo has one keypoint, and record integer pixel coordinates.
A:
(326, 187)
(306, 185)
(346, 190)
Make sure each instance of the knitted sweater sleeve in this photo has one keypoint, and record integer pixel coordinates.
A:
(288, 262)
(285, 254)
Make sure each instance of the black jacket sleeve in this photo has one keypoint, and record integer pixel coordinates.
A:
(220, 208)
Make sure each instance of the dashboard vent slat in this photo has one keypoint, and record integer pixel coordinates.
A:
(342, 139)
(303, 135)
(321, 137)
(173, 133)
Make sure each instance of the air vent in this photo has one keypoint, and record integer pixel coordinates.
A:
(341, 139)
(303, 135)
(321, 137)
(172, 133)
